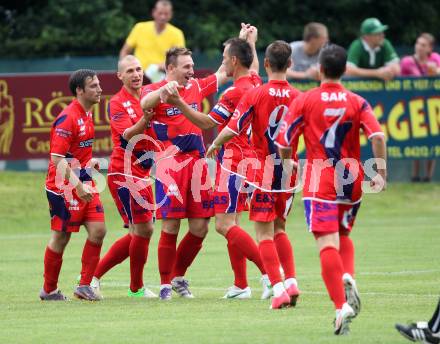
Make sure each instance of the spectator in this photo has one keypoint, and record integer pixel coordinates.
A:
(305, 53)
(151, 39)
(372, 55)
(424, 62)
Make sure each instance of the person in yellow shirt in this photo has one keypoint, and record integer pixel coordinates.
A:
(151, 39)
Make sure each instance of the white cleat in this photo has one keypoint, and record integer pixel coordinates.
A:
(238, 293)
(149, 294)
(267, 288)
(96, 286)
(351, 293)
(343, 319)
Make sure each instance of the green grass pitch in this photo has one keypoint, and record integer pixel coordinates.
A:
(397, 239)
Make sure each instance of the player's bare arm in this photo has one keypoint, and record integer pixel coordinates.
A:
(379, 148)
(198, 118)
(84, 191)
(225, 136)
(153, 98)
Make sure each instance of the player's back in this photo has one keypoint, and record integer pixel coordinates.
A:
(264, 108)
(332, 122)
(271, 103)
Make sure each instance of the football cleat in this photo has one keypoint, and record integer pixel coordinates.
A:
(281, 301)
(343, 319)
(165, 293)
(267, 288)
(181, 287)
(238, 293)
(418, 332)
(55, 295)
(142, 292)
(351, 293)
(293, 293)
(85, 292)
(96, 286)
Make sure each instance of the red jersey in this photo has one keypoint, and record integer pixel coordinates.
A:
(71, 136)
(264, 108)
(124, 111)
(330, 118)
(171, 127)
(221, 113)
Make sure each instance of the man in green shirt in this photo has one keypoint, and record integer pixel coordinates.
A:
(372, 55)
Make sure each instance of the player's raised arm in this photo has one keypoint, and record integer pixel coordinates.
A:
(250, 34)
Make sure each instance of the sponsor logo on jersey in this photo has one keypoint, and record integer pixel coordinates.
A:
(86, 143)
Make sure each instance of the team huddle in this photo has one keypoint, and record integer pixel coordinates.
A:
(157, 141)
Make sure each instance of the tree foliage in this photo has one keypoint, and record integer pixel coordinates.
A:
(98, 27)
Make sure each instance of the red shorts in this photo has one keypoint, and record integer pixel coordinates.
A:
(326, 218)
(133, 198)
(228, 195)
(183, 188)
(267, 206)
(68, 216)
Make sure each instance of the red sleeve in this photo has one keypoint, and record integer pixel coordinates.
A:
(292, 125)
(119, 118)
(225, 107)
(369, 123)
(208, 85)
(64, 130)
(243, 114)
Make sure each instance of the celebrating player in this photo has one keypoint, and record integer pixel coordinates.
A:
(330, 118)
(180, 173)
(128, 176)
(263, 108)
(69, 187)
(240, 62)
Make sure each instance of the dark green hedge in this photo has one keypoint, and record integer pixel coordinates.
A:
(98, 27)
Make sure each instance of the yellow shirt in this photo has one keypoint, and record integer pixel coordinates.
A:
(150, 47)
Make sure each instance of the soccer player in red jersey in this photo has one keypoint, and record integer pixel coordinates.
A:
(180, 171)
(240, 61)
(263, 108)
(330, 119)
(128, 178)
(72, 198)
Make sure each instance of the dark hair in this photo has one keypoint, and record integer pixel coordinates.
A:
(278, 54)
(333, 59)
(241, 49)
(173, 53)
(313, 30)
(78, 79)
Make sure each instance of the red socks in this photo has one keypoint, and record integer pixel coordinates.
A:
(52, 267)
(238, 264)
(117, 253)
(332, 271)
(90, 259)
(241, 240)
(285, 254)
(186, 253)
(269, 256)
(166, 255)
(138, 257)
(346, 250)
